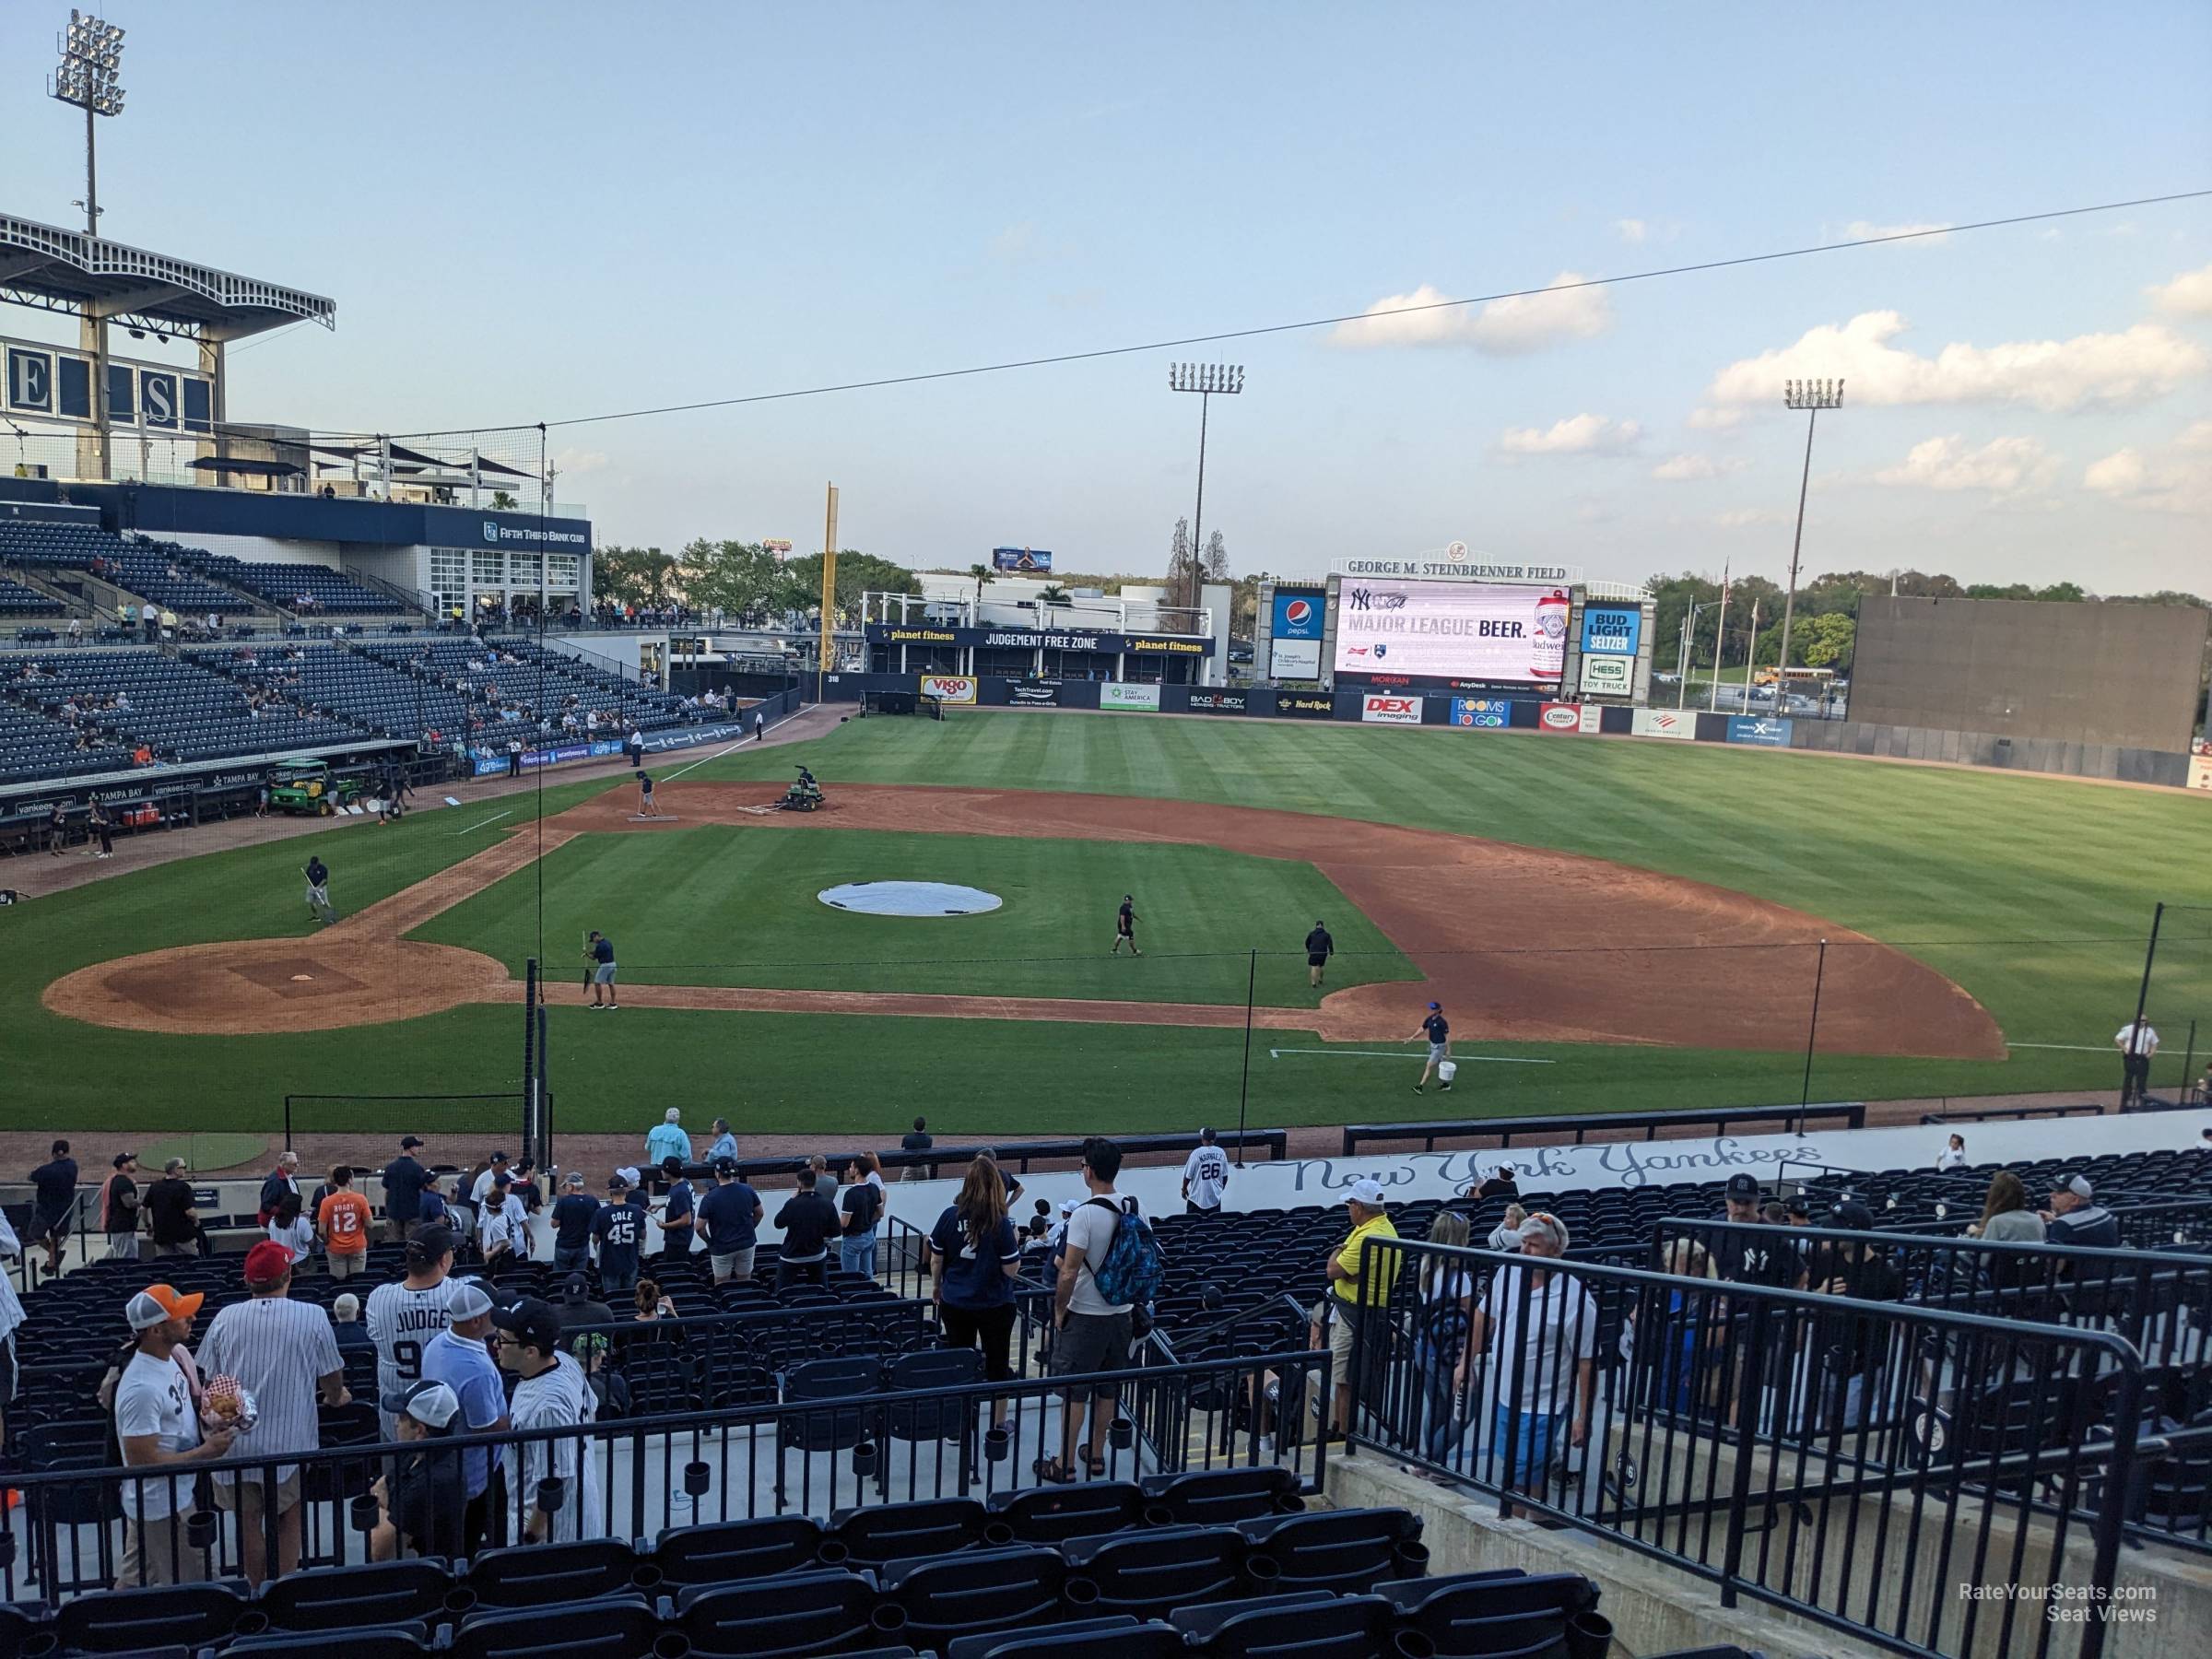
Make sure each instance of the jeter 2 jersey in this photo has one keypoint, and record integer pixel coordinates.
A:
(402, 1322)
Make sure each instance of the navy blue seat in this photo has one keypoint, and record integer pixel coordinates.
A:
(342, 1598)
(724, 1552)
(1122, 1638)
(1149, 1574)
(614, 1626)
(115, 1621)
(876, 1535)
(823, 1612)
(365, 1641)
(1312, 1626)
(1345, 1552)
(529, 1575)
(1052, 1515)
(949, 1597)
(1221, 1497)
(1493, 1613)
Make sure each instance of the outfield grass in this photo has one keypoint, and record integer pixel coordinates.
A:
(723, 905)
(2035, 894)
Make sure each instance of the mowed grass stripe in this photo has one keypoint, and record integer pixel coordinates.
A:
(730, 905)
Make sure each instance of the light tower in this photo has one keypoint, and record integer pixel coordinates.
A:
(1812, 396)
(1205, 378)
(88, 78)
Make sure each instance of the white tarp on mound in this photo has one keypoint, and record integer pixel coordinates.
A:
(910, 899)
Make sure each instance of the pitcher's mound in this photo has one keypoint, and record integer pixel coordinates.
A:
(250, 985)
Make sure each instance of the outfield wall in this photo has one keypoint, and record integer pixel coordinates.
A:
(1409, 708)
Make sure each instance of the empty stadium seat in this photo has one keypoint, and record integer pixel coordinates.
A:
(1049, 1515)
(113, 1622)
(880, 1534)
(1344, 1552)
(1147, 1575)
(1219, 1497)
(617, 1627)
(527, 1574)
(982, 1590)
(1122, 1638)
(723, 1552)
(822, 1612)
(340, 1598)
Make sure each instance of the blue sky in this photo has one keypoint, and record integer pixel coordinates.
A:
(545, 211)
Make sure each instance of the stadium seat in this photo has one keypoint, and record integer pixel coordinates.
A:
(822, 1612)
(617, 1627)
(1344, 1552)
(722, 1552)
(1147, 1575)
(361, 1641)
(1320, 1625)
(949, 1597)
(1219, 1497)
(1052, 1515)
(112, 1621)
(1493, 1613)
(1119, 1636)
(880, 1534)
(527, 1574)
(339, 1598)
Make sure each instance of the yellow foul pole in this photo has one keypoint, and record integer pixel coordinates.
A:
(821, 661)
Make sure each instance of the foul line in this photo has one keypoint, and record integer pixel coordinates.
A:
(1277, 1053)
(2072, 1048)
(479, 824)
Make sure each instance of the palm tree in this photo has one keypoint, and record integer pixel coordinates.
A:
(981, 572)
(1054, 595)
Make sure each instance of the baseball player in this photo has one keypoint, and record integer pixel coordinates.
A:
(645, 796)
(599, 950)
(1124, 927)
(1439, 1032)
(318, 889)
(404, 1317)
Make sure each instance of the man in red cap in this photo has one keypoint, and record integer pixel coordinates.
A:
(157, 1423)
(283, 1354)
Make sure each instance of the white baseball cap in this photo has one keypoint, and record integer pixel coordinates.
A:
(469, 1300)
(433, 1405)
(2080, 1186)
(1367, 1190)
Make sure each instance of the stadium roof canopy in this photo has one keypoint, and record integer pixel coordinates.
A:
(59, 270)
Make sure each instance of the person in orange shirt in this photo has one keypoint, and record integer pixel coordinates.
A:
(342, 1223)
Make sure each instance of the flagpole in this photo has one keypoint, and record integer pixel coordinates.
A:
(1720, 644)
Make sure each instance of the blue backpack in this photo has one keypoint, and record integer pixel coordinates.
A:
(1131, 1272)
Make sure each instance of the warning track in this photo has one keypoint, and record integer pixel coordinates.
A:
(1520, 944)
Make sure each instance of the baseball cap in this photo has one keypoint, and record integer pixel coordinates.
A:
(430, 1244)
(618, 1182)
(532, 1322)
(672, 1165)
(1852, 1216)
(431, 1404)
(1367, 1190)
(124, 1158)
(1542, 1223)
(725, 1166)
(469, 1300)
(267, 1261)
(498, 1157)
(1437, 1006)
(2080, 1186)
(408, 1143)
(1743, 1188)
(172, 1166)
(158, 1303)
(575, 1178)
(630, 1173)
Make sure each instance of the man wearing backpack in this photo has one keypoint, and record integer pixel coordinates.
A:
(1109, 1267)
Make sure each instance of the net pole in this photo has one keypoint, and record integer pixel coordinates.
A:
(2151, 953)
(1251, 980)
(530, 1058)
(1812, 1032)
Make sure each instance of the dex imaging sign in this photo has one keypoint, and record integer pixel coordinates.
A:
(1379, 709)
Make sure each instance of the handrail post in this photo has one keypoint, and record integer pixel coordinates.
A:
(1749, 1374)
(2115, 1500)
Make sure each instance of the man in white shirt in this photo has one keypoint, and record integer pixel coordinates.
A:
(501, 1230)
(1204, 1176)
(1546, 1325)
(405, 1318)
(2136, 1042)
(11, 1312)
(157, 1423)
(1090, 1335)
(284, 1354)
(495, 1171)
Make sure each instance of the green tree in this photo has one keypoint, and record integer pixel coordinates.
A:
(633, 575)
(857, 573)
(1054, 595)
(1825, 641)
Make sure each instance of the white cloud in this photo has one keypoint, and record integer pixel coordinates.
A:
(1742, 517)
(1503, 328)
(1868, 231)
(2146, 362)
(1632, 231)
(1715, 420)
(2188, 295)
(2176, 479)
(1678, 469)
(1576, 435)
(2002, 466)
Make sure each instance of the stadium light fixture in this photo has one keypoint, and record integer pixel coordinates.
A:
(88, 77)
(1206, 379)
(1812, 396)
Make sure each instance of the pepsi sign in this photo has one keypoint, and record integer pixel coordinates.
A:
(1294, 644)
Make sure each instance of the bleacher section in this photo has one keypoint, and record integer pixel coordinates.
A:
(133, 566)
(284, 585)
(179, 710)
(34, 747)
(567, 682)
(18, 603)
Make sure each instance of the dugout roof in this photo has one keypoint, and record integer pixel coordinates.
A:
(68, 271)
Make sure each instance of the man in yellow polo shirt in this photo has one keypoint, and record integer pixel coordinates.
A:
(1351, 1296)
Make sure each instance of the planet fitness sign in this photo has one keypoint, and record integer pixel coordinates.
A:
(1452, 630)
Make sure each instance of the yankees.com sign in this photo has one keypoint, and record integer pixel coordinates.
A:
(1390, 710)
(948, 687)
(1451, 631)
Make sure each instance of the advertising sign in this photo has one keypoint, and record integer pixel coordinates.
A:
(1380, 710)
(2200, 765)
(1294, 649)
(1664, 722)
(1030, 639)
(1305, 705)
(1452, 630)
(1026, 561)
(1481, 712)
(948, 687)
(1115, 695)
(1035, 694)
(1607, 676)
(1569, 717)
(1459, 565)
(1755, 728)
(1218, 702)
(1612, 630)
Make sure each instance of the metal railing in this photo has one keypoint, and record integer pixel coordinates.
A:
(1609, 1125)
(1017, 1156)
(1991, 1114)
(808, 1452)
(1851, 1460)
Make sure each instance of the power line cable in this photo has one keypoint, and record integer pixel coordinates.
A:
(1312, 323)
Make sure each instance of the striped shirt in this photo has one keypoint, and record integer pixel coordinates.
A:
(279, 1350)
(402, 1322)
(11, 1306)
(505, 1224)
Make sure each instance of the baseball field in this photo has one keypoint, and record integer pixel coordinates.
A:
(1609, 924)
